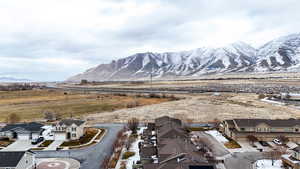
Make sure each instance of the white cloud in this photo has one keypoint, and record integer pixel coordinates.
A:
(63, 37)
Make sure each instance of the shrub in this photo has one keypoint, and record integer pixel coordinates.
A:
(112, 163)
(128, 154)
(261, 96)
(153, 95)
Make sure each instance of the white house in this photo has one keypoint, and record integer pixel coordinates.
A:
(17, 160)
(22, 131)
(69, 129)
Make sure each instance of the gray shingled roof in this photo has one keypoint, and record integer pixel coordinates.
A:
(272, 123)
(297, 149)
(69, 122)
(10, 159)
(33, 126)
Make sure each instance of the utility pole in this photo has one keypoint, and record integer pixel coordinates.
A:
(151, 76)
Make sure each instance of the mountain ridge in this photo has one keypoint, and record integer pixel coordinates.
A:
(280, 54)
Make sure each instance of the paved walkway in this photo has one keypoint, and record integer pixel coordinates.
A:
(54, 145)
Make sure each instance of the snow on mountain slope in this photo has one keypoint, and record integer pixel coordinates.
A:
(281, 54)
(234, 57)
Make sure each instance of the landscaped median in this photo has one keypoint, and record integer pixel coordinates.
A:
(5, 142)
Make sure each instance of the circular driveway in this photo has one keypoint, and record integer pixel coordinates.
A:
(57, 163)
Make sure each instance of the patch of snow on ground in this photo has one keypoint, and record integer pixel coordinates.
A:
(267, 164)
(272, 101)
(217, 135)
(135, 148)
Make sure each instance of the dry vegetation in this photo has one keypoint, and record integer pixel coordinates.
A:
(31, 104)
(203, 108)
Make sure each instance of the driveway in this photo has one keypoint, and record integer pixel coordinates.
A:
(54, 145)
(216, 147)
(90, 157)
(20, 145)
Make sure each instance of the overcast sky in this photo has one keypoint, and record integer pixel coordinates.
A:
(54, 39)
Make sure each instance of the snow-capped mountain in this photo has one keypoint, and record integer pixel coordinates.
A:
(280, 54)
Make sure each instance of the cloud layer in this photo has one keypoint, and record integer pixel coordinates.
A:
(54, 39)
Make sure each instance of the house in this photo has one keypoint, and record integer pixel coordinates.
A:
(292, 161)
(22, 131)
(69, 129)
(171, 148)
(263, 129)
(17, 160)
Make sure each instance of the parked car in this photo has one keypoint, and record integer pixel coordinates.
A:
(264, 143)
(38, 140)
(277, 141)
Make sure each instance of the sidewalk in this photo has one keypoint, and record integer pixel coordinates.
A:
(54, 145)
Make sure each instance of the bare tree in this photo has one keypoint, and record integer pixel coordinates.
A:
(252, 139)
(58, 116)
(283, 139)
(49, 115)
(129, 142)
(13, 118)
(133, 124)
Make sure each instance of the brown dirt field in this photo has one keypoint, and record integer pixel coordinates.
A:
(203, 108)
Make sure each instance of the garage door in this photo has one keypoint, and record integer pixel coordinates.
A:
(60, 136)
(23, 136)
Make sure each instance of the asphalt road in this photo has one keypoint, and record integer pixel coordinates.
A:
(90, 157)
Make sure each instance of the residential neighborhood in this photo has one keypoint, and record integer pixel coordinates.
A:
(17, 160)
(20, 143)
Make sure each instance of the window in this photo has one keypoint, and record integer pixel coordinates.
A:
(73, 128)
(243, 129)
(73, 135)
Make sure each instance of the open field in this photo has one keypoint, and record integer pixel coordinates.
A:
(204, 107)
(31, 104)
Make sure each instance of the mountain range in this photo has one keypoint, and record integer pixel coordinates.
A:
(12, 79)
(281, 54)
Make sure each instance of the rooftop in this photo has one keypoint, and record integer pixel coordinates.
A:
(33, 126)
(69, 122)
(11, 158)
(272, 123)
